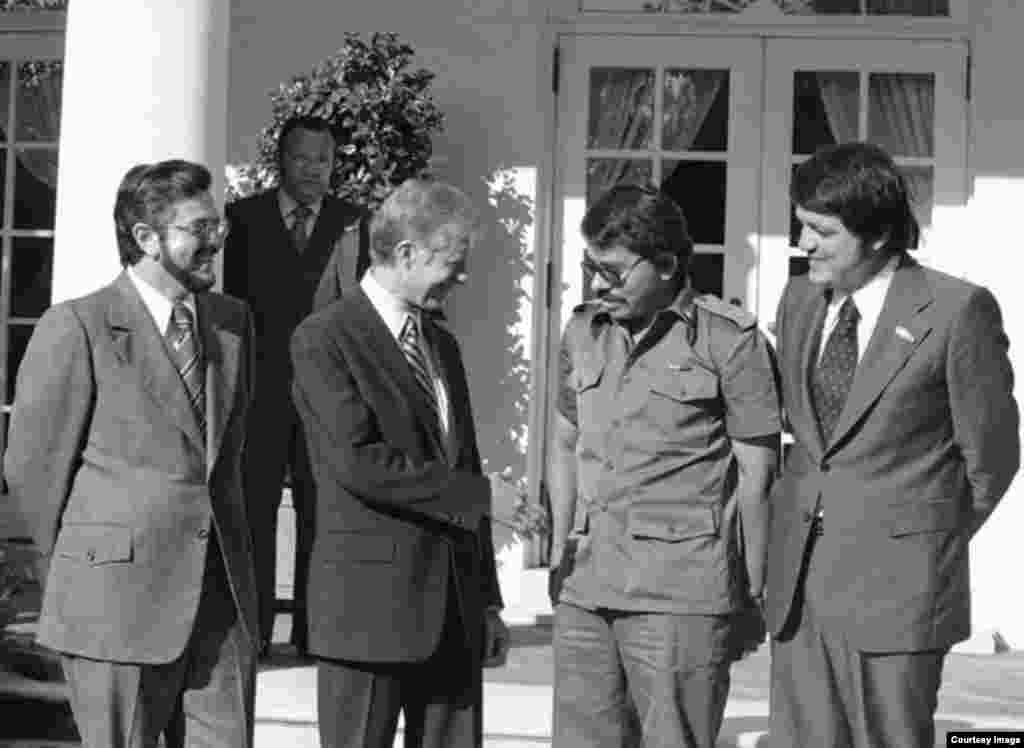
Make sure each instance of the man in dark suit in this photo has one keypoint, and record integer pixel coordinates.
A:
(404, 599)
(279, 244)
(899, 397)
(125, 458)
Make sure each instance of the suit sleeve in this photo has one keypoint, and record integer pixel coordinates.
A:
(236, 248)
(329, 288)
(345, 436)
(984, 412)
(50, 421)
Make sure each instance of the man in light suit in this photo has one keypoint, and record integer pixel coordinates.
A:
(279, 245)
(403, 595)
(125, 458)
(899, 397)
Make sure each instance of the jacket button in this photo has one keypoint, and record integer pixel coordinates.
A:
(203, 534)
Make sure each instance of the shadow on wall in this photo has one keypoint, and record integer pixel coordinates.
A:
(491, 315)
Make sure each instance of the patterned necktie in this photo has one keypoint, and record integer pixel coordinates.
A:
(831, 380)
(411, 344)
(188, 358)
(300, 238)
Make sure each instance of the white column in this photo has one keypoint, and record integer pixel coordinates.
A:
(146, 83)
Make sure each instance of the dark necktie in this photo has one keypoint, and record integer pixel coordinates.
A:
(832, 377)
(300, 237)
(188, 359)
(412, 346)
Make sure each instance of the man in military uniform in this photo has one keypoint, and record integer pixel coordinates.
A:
(666, 443)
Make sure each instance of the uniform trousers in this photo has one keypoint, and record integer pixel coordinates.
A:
(629, 679)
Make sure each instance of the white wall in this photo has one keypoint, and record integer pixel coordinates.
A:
(491, 66)
(990, 254)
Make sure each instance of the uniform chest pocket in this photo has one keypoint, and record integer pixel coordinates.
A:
(685, 385)
(587, 377)
(679, 398)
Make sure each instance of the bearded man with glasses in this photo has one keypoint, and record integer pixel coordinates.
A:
(666, 442)
(125, 459)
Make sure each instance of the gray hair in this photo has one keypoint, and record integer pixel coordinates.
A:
(415, 210)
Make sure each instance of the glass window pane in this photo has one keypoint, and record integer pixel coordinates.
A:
(794, 225)
(707, 271)
(696, 110)
(35, 188)
(901, 112)
(31, 276)
(921, 181)
(908, 7)
(621, 108)
(5, 96)
(17, 341)
(699, 188)
(37, 109)
(826, 108)
(602, 173)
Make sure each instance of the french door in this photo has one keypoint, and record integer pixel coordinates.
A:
(720, 122)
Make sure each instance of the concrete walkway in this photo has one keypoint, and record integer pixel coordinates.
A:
(979, 692)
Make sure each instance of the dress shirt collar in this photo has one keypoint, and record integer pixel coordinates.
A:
(392, 309)
(287, 204)
(870, 297)
(158, 305)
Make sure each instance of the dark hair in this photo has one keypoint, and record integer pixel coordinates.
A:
(302, 122)
(147, 193)
(641, 218)
(861, 185)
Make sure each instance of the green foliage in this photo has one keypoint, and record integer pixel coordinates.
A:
(381, 111)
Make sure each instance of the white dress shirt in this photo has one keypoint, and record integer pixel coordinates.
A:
(288, 204)
(394, 312)
(158, 305)
(869, 299)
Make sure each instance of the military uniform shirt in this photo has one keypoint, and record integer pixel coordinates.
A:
(655, 522)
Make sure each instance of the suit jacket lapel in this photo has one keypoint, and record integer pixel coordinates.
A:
(138, 343)
(222, 350)
(379, 341)
(900, 329)
(806, 329)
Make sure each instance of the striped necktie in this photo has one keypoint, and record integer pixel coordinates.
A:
(412, 346)
(187, 357)
(300, 237)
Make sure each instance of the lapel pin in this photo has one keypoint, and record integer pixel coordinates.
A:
(904, 334)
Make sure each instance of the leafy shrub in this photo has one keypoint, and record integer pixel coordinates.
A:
(381, 111)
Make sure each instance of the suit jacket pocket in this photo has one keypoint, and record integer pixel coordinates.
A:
(358, 547)
(914, 517)
(95, 543)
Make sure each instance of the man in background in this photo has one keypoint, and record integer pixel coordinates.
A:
(279, 244)
(404, 599)
(125, 457)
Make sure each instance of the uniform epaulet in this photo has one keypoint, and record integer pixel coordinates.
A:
(737, 314)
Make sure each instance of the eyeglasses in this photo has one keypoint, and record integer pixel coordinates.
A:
(211, 231)
(611, 276)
